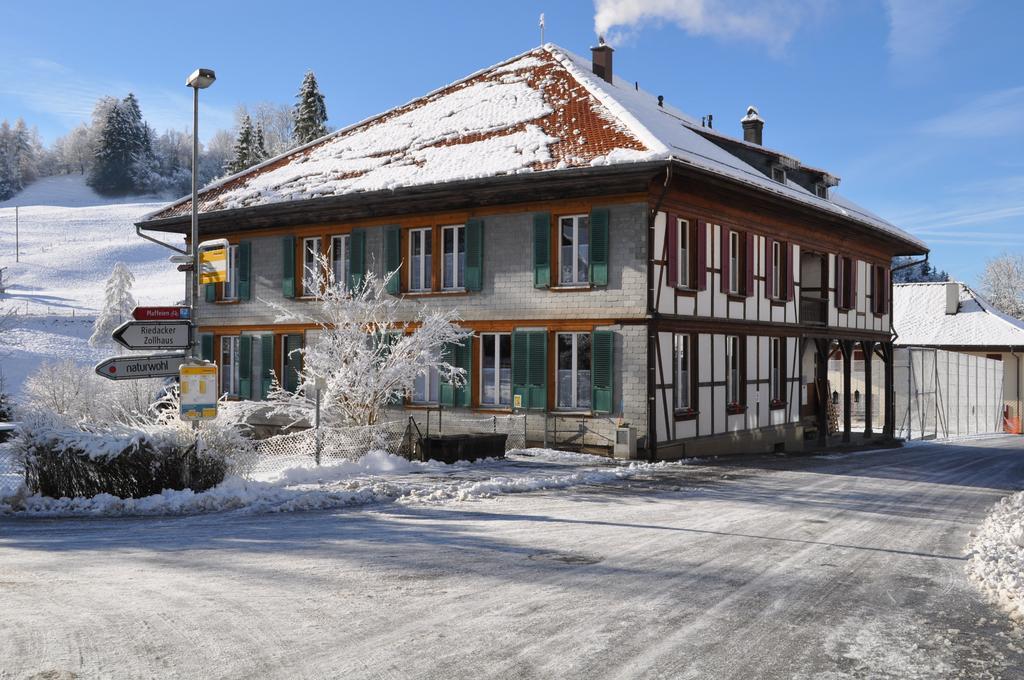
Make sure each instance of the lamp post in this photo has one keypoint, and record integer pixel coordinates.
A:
(200, 79)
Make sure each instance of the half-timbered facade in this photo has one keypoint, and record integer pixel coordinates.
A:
(616, 260)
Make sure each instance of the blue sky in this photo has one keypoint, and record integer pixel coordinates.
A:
(917, 105)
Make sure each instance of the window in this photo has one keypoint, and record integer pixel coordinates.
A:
(846, 282)
(574, 250)
(231, 285)
(880, 289)
(778, 270)
(684, 373)
(821, 191)
(776, 368)
(734, 262)
(425, 390)
(229, 365)
(291, 361)
(573, 379)
(420, 264)
(495, 369)
(339, 260)
(310, 266)
(453, 263)
(733, 372)
(779, 174)
(683, 256)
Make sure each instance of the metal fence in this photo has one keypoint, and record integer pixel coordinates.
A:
(942, 394)
(12, 474)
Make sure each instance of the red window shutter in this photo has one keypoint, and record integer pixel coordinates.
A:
(672, 245)
(851, 303)
(840, 280)
(789, 271)
(769, 266)
(701, 280)
(726, 244)
(886, 287)
(748, 287)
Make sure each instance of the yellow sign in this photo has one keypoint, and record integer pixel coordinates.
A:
(198, 391)
(517, 401)
(213, 266)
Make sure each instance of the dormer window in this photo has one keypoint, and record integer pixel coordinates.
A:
(779, 174)
(821, 190)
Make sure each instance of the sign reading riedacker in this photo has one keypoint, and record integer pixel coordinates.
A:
(198, 391)
(154, 335)
(138, 367)
(213, 261)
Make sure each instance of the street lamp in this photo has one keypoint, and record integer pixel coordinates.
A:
(200, 79)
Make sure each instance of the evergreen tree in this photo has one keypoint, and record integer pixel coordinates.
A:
(919, 273)
(259, 146)
(310, 111)
(241, 157)
(113, 152)
(117, 305)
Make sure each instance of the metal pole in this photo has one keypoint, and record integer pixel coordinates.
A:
(17, 237)
(317, 433)
(194, 292)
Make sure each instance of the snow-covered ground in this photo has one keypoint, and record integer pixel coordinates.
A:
(847, 567)
(996, 555)
(376, 478)
(69, 239)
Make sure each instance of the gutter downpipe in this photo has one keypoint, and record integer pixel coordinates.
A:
(138, 231)
(1020, 420)
(652, 316)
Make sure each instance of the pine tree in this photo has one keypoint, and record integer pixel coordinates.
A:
(259, 146)
(310, 111)
(241, 157)
(113, 154)
(118, 304)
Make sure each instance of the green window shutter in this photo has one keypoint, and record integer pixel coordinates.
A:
(206, 346)
(210, 291)
(464, 360)
(541, 250)
(244, 266)
(474, 273)
(393, 257)
(447, 389)
(288, 266)
(601, 371)
(292, 362)
(599, 218)
(356, 259)
(245, 367)
(538, 378)
(267, 351)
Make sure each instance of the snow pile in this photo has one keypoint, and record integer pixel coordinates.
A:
(378, 477)
(996, 555)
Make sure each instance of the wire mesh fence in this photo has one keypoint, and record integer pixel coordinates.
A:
(942, 394)
(12, 473)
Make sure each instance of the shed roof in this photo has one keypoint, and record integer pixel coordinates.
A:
(541, 111)
(919, 318)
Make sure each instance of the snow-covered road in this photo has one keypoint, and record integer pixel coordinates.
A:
(829, 567)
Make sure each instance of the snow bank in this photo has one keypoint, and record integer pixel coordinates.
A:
(378, 477)
(996, 555)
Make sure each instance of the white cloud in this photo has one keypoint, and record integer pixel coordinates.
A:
(58, 91)
(996, 114)
(919, 28)
(769, 22)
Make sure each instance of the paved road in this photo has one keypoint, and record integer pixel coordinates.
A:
(829, 567)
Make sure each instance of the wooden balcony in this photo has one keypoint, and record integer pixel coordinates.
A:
(813, 311)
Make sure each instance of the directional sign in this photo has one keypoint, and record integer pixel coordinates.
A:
(160, 313)
(137, 367)
(153, 335)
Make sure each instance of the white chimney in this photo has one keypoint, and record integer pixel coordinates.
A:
(952, 297)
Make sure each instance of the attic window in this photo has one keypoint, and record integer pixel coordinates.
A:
(821, 190)
(779, 174)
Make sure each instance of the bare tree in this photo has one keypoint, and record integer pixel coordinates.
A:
(1002, 283)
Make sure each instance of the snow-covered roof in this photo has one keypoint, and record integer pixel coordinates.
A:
(919, 318)
(541, 111)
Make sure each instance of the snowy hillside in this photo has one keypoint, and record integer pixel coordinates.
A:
(70, 238)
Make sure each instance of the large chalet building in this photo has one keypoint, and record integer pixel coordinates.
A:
(616, 259)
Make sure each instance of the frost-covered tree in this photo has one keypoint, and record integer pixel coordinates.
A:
(276, 121)
(245, 153)
(123, 161)
(19, 157)
(919, 273)
(259, 146)
(118, 304)
(365, 354)
(216, 155)
(1002, 283)
(310, 111)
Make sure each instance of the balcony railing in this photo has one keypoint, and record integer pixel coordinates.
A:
(814, 311)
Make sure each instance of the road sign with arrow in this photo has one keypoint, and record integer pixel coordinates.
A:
(160, 313)
(154, 335)
(143, 366)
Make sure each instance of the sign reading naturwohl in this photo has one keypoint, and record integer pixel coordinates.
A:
(198, 390)
(213, 262)
(154, 335)
(138, 367)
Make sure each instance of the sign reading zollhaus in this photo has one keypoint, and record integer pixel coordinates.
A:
(154, 335)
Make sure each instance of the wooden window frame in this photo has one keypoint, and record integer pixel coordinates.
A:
(557, 247)
(733, 407)
(845, 284)
(495, 338)
(459, 238)
(302, 262)
(777, 362)
(735, 262)
(233, 374)
(433, 378)
(575, 408)
(428, 237)
(689, 410)
(345, 238)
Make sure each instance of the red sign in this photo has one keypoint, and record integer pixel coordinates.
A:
(160, 313)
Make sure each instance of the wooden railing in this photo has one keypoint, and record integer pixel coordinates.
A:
(814, 311)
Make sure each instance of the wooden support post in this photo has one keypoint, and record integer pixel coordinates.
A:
(846, 348)
(889, 422)
(822, 347)
(868, 348)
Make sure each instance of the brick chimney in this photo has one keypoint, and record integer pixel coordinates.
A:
(753, 126)
(602, 59)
